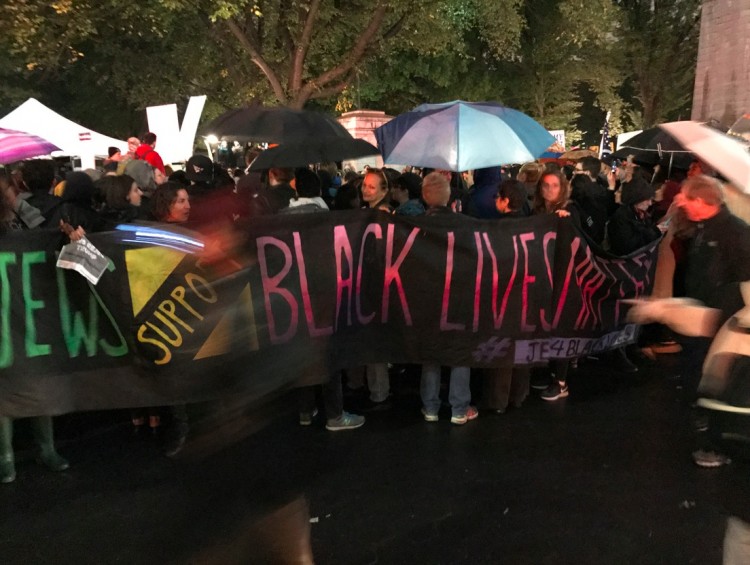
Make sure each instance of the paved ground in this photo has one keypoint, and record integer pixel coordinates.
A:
(601, 477)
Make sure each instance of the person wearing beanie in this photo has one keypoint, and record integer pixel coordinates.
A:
(632, 226)
(308, 198)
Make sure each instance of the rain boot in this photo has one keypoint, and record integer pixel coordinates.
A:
(7, 465)
(42, 426)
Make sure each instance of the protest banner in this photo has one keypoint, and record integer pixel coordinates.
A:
(309, 294)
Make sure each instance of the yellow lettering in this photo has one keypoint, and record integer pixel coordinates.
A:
(168, 307)
(211, 297)
(179, 295)
(176, 339)
(167, 353)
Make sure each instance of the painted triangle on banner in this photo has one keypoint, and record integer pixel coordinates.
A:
(148, 268)
(220, 340)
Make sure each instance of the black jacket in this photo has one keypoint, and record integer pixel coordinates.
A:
(628, 232)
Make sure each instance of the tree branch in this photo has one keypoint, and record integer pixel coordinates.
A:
(355, 56)
(258, 59)
(295, 77)
(335, 89)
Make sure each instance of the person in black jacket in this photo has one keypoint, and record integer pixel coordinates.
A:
(632, 225)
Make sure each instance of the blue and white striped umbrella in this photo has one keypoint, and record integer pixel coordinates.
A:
(461, 136)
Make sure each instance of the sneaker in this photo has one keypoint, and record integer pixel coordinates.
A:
(7, 469)
(306, 418)
(176, 438)
(539, 381)
(710, 459)
(370, 405)
(428, 417)
(345, 422)
(471, 414)
(558, 389)
(620, 362)
(52, 460)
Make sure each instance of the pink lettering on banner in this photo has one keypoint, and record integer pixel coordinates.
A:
(588, 289)
(343, 249)
(574, 245)
(271, 286)
(377, 232)
(499, 317)
(445, 325)
(392, 276)
(314, 331)
(527, 280)
(478, 283)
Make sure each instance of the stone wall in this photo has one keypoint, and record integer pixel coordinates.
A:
(722, 77)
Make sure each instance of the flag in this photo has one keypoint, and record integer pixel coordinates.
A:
(604, 148)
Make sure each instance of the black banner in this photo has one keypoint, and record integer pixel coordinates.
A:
(306, 294)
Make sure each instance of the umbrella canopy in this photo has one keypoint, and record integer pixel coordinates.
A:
(18, 145)
(729, 156)
(461, 136)
(653, 146)
(575, 154)
(274, 125)
(316, 151)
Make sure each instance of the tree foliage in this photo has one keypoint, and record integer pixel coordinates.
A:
(659, 40)
(100, 61)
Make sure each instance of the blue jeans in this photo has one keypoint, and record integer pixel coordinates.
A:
(459, 394)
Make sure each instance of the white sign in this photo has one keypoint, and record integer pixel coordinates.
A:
(81, 256)
(172, 142)
(559, 136)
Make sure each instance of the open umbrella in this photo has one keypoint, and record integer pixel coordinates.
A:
(575, 154)
(315, 151)
(728, 155)
(274, 125)
(18, 145)
(653, 146)
(460, 136)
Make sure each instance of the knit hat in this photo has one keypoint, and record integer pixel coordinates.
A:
(142, 173)
(307, 183)
(637, 190)
(199, 168)
(79, 187)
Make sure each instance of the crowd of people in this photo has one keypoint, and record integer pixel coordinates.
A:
(619, 209)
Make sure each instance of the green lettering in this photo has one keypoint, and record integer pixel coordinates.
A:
(112, 350)
(74, 328)
(33, 349)
(6, 339)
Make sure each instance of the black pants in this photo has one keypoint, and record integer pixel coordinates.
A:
(333, 400)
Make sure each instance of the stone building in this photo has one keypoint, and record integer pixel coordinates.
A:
(722, 77)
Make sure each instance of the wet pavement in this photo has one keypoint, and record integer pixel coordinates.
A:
(604, 476)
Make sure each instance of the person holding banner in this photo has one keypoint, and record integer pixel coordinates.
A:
(41, 425)
(436, 193)
(552, 196)
(502, 386)
(171, 204)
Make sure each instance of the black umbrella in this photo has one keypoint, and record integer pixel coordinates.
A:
(316, 151)
(653, 146)
(274, 125)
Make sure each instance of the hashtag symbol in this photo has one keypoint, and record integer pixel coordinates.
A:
(491, 349)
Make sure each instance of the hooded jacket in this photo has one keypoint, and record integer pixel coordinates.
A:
(481, 200)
